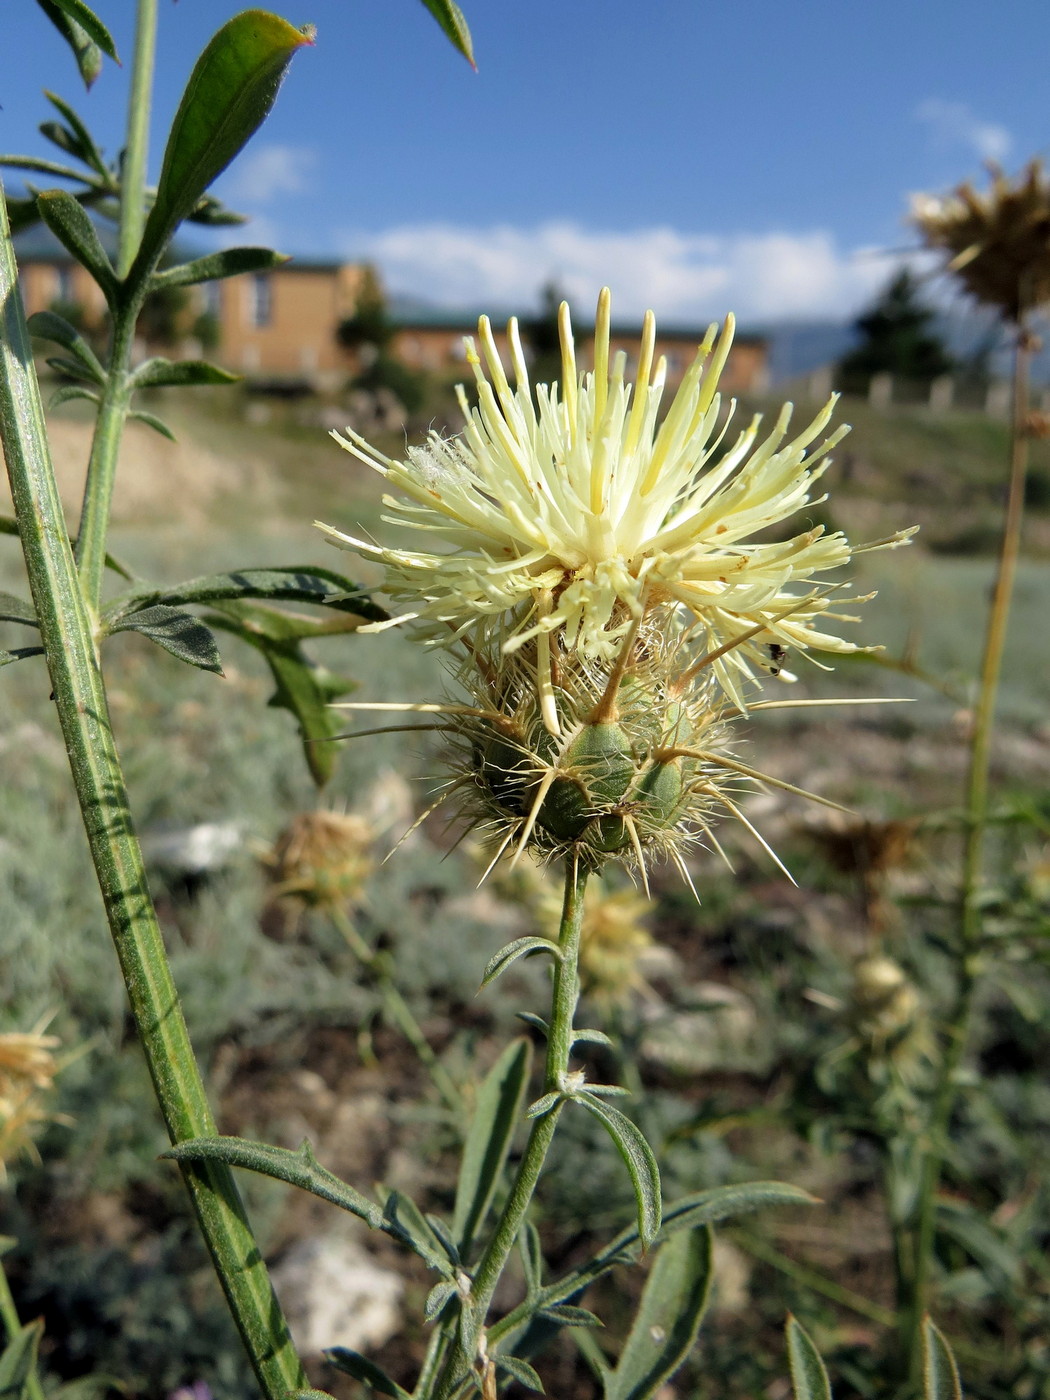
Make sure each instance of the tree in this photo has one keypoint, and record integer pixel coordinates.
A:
(895, 339)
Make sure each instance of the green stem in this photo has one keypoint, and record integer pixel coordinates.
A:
(136, 145)
(83, 713)
(90, 550)
(398, 1009)
(971, 931)
(565, 994)
(13, 1325)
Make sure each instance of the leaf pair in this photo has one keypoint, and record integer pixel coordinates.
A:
(809, 1375)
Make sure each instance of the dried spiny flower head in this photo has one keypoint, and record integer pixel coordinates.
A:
(570, 514)
(321, 857)
(998, 242)
(27, 1069)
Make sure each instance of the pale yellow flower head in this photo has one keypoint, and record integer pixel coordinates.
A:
(566, 513)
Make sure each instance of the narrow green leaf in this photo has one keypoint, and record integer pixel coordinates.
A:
(590, 1037)
(18, 1361)
(178, 632)
(531, 1251)
(159, 373)
(437, 1298)
(668, 1318)
(86, 52)
(310, 1395)
(352, 1363)
(229, 93)
(14, 609)
(303, 688)
(638, 1158)
(452, 21)
(702, 1208)
(88, 21)
(412, 1226)
(151, 420)
(46, 325)
(42, 167)
(63, 138)
(293, 583)
(89, 152)
(520, 1371)
(939, 1371)
(214, 214)
(19, 654)
(543, 1106)
(496, 1115)
(73, 368)
(518, 949)
(69, 392)
(299, 1168)
(569, 1316)
(69, 223)
(232, 262)
(809, 1375)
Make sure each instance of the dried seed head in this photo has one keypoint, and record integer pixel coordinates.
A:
(27, 1069)
(998, 242)
(321, 857)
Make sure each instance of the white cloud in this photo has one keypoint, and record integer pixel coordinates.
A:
(683, 277)
(267, 172)
(954, 124)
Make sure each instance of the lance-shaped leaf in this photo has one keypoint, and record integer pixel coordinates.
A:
(69, 223)
(68, 392)
(668, 1318)
(518, 949)
(414, 1228)
(939, 1372)
(159, 373)
(496, 1115)
(305, 583)
(14, 609)
(18, 1361)
(638, 1158)
(701, 1208)
(151, 420)
(86, 148)
(231, 262)
(19, 654)
(302, 687)
(84, 32)
(352, 1363)
(452, 21)
(230, 91)
(89, 22)
(809, 1375)
(178, 632)
(46, 325)
(519, 1371)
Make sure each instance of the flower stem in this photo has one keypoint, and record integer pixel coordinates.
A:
(13, 1325)
(565, 994)
(970, 928)
(83, 713)
(136, 143)
(398, 1009)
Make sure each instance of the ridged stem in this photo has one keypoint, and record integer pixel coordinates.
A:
(970, 925)
(565, 994)
(83, 713)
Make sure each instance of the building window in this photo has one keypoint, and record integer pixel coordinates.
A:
(64, 285)
(211, 299)
(260, 301)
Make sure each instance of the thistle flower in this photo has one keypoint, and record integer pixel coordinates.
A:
(321, 858)
(27, 1068)
(567, 515)
(998, 243)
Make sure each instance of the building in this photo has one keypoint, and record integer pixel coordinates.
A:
(278, 328)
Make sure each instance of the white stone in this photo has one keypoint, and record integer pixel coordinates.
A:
(335, 1295)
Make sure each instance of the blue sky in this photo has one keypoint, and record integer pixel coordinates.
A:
(755, 155)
